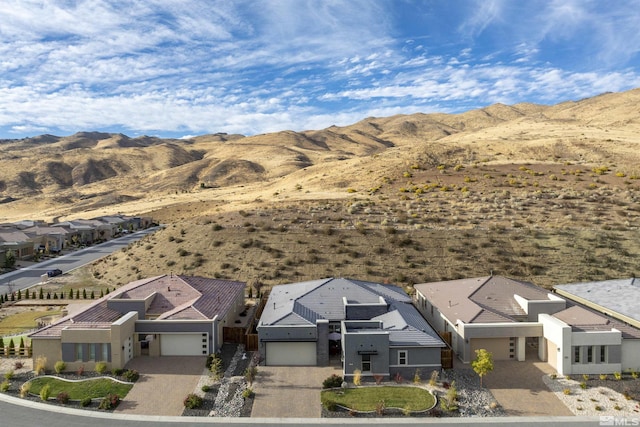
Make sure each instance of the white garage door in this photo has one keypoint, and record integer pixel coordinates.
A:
(184, 344)
(291, 354)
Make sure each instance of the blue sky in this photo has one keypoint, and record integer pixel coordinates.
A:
(175, 68)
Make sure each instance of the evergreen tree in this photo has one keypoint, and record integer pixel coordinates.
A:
(48, 295)
(33, 295)
(77, 293)
(1, 299)
(21, 346)
(101, 293)
(19, 294)
(107, 291)
(55, 295)
(70, 293)
(92, 295)
(26, 294)
(84, 294)
(41, 294)
(12, 347)
(13, 296)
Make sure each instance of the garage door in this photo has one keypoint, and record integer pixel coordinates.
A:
(184, 344)
(291, 354)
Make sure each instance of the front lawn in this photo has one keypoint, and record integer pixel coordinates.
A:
(95, 388)
(369, 398)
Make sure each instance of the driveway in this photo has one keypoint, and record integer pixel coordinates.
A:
(164, 383)
(519, 389)
(290, 391)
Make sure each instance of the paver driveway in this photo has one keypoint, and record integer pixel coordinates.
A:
(519, 389)
(289, 391)
(164, 383)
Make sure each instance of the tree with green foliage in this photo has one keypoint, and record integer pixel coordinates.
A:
(1, 299)
(55, 295)
(483, 363)
(41, 294)
(9, 259)
(1, 347)
(70, 293)
(19, 294)
(12, 347)
(26, 294)
(48, 295)
(101, 293)
(84, 294)
(77, 293)
(21, 346)
(92, 296)
(33, 295)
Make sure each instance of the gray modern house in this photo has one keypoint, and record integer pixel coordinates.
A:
(372, 327)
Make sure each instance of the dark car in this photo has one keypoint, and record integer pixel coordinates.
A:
(55, 272)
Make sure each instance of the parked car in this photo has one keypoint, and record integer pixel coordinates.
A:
(55, 272)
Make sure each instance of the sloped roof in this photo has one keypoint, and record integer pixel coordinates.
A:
(583, 319)
(174, 297)
(304, 303)
(489, 299)
(618, 295)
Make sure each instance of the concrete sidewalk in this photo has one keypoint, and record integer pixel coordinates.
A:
(164, 383)
(290, 391)
(519, 389)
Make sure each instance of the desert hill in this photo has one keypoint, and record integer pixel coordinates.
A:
(547, 194)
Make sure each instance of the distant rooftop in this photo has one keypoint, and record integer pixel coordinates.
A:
(619, 296)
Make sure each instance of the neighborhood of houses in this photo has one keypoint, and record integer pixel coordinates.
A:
(377, 329)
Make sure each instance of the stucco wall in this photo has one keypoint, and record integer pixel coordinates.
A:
(631, 355)
(354, 344)
(48, 348)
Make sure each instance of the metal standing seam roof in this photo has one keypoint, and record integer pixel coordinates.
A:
(192, 298)
(289, 305)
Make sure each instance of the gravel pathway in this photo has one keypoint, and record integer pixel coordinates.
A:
(592, 401)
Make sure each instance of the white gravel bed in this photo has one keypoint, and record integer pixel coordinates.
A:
(593, 401)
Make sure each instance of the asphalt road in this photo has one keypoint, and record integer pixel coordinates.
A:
(15, 414)
(29, 276)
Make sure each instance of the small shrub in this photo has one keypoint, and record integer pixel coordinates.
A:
(567, 391)
(192, 401)
(434, 379)
(617, 376)
(216, 367)
(553, 376)
(117, 372)
(80, 370)
(380, 407)
(18, 364)
(332, 382)
(247, 393)
(378, 378)
(59, 367)
(598, 408)
(357, 377)
(101, 367)
(205, 388)
(85, 402)
(8, 375)
(634, 375)
(24, 389)
(603, 377)
(329, 404)
(110, 401)
(63, 397)
(45, 393)
(250, 374)
(398, 378)
(4, 386)
(416, 377)
(131, 375)
(585, 377)
(41, 363)
(583, 385)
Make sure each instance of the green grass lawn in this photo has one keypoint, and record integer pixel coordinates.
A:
(366, 398)
(79, 390)
(23, 321)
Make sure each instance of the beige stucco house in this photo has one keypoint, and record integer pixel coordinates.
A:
(162, 316)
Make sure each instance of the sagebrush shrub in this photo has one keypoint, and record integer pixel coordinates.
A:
(332, 382)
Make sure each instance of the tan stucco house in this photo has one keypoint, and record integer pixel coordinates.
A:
(161, 316)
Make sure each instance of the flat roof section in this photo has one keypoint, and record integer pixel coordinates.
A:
(612, 296)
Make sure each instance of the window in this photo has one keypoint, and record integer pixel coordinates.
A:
(92, 351)
(402, 357)
(603, 354)
(366, 363)
(105, 352)
(590, 354)
(576, 354)
(79, 355)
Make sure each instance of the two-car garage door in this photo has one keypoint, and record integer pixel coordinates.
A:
(184, 344)
(291, 354)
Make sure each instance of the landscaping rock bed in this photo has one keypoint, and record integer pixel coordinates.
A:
(224, 398)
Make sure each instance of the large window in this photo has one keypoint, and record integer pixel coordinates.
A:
(105, 352)
(79, 353)
(576, 354)
(590, 354)
(402, 357)
(92, 351)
